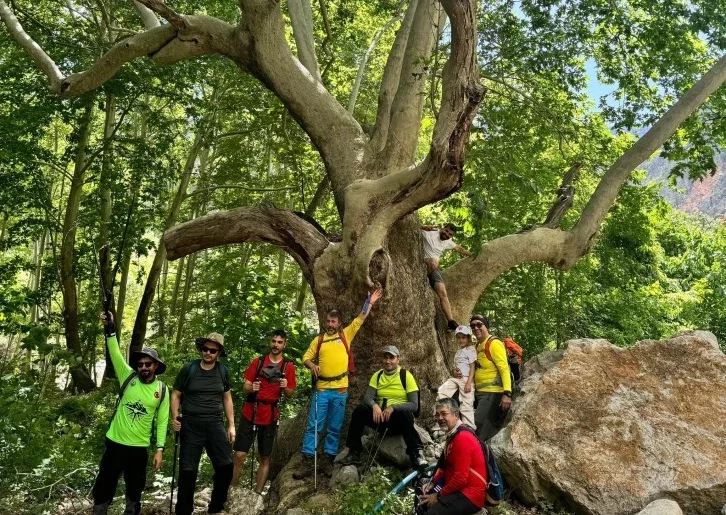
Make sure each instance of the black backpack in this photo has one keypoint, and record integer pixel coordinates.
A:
(194, 367)
(402, 376)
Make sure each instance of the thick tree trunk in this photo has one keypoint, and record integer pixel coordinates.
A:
(81, 379)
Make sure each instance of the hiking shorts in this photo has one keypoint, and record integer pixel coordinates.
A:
(245, 437)
(435, 277)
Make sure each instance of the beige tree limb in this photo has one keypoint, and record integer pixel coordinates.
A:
(408, 102)
(264, 223)
(374, 205)
(364, 62)
(301, 19)
(468, 278)
(165, 12)
(148, 18)
(391, 77)
(333, 131)
(41, 59)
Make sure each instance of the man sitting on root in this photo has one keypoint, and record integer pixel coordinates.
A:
(435, 242)
(389, 406)
(459, 483)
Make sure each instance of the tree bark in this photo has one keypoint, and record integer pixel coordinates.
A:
(81, 378)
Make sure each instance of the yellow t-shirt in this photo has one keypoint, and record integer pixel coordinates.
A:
(389, 386)
(492, 376)
(333, 359)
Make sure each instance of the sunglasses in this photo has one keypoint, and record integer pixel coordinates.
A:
(144, 364)
(210, 350)
(474, 325)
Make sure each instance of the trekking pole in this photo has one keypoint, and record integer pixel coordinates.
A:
(254, 437)
(369, 460)
(173, 466)
(315, 456)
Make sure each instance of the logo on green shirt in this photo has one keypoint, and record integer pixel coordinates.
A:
(136, 411)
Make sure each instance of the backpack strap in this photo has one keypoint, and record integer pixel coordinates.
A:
(487, 345)
(194, 366)
(224, 374)
(343, 339)
(123, 388)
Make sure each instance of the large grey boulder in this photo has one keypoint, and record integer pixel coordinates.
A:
(606, 429)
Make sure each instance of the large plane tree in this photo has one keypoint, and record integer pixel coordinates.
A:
(377, 183)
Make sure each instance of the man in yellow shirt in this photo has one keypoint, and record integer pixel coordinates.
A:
(328, 358)
(493, 391)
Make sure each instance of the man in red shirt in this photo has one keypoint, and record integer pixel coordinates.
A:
(264, 383)
(460, 482)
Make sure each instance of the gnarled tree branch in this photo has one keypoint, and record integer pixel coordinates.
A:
(301, 18)
(373, 206)
(334, 132)
(148, 18)
(41, 59)
(407, 106)
(391, 77)
(467, 279)
(264, 223)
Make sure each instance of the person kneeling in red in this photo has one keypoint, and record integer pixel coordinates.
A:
(461, 468)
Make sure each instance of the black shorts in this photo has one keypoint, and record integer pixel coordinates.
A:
(435, 277)
(245, 437)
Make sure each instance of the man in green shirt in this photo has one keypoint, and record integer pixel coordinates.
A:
(143, 400)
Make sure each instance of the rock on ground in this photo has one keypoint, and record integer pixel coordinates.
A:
(662, 507)
(607, 429)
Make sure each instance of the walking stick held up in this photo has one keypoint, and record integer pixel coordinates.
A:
(173, 466)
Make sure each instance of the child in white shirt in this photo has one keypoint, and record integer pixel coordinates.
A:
(464, 361)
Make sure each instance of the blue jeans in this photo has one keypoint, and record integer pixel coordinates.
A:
(327, 405)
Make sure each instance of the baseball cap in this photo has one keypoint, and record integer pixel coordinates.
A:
(390, 349)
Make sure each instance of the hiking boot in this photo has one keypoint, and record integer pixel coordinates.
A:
(452, 325)
(305, 469)
(326, 465)
(418, 460)
(101, 509)
(132, 507)
(353, 458)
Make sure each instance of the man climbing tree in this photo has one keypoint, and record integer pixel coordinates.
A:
(436, 241)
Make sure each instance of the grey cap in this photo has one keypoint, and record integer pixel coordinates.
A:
(390, 349)
(149, 353)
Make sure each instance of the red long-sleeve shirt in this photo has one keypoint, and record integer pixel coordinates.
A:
(461, 455)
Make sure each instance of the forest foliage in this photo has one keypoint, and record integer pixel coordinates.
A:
(216, 139)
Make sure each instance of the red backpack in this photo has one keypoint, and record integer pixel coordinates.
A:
(351, 360)
(514, 355)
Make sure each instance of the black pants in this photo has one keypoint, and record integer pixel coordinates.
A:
(197, 436)
(488, 416)
(117, 459)
(452, 504)
(400, 423)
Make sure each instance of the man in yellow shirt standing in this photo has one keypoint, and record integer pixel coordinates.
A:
(493, 394)
(328, 358)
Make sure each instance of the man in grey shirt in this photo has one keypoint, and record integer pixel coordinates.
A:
(389, 405)
(202, 391)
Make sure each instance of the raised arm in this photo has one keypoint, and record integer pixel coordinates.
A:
(369, 303)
